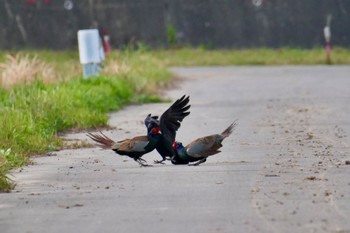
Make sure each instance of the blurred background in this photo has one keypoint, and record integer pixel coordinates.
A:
(53, 24)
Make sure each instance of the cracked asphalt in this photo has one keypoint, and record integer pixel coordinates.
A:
(286, 167)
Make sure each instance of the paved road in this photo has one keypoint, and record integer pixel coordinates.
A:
(283, 169)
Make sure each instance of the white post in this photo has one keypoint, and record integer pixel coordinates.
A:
(90, 53)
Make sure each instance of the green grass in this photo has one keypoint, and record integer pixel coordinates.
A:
(261, 56)
(33, 114)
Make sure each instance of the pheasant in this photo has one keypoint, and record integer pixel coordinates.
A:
(134, 147)
(169, 123)
(201, 148)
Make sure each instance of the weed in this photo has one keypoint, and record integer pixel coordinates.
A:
(171, 33)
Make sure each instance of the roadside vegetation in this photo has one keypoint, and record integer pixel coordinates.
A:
(42, 93)
(260, 56)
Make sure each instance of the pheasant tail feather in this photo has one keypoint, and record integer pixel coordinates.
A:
(227, 132)
(102, 140)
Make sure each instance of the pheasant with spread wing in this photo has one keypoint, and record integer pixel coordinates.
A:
(169, 123)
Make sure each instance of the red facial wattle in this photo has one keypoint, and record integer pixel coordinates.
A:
(156, 130)
(174, 145)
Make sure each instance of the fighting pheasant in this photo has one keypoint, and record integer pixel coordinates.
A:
(201, 148)
(134, 147)
(169, 123)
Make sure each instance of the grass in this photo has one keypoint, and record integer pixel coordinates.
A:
(261, 56)
(42, 93)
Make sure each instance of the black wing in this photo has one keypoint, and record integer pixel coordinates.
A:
(171, 119)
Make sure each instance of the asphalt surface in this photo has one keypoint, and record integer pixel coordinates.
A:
(284, 169)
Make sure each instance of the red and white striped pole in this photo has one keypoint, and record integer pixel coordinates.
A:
(327, 36)
(106, 43)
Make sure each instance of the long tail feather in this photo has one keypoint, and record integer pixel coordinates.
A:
(227, 132)
(102, 140)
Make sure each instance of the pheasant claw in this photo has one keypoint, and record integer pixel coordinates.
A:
(159, 161)
(197, 163)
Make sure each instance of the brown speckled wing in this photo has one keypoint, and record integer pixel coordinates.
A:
(204, 147)
(137, 144)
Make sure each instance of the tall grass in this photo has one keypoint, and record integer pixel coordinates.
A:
(23, 69)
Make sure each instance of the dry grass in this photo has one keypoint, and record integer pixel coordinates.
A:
(116, 67)
(23, 69)
(144, 72)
